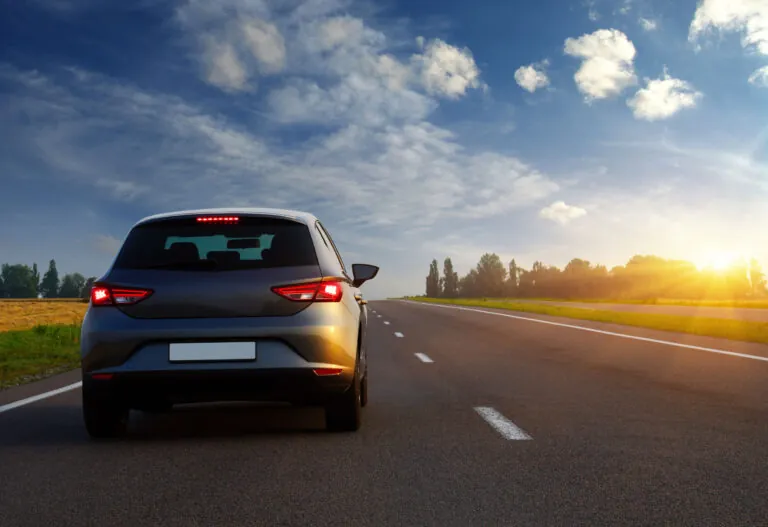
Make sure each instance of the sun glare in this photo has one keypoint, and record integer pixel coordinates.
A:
(717, 260)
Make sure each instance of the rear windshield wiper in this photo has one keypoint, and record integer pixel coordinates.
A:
(193, 264)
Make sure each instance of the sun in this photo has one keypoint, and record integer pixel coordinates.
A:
(716, 260)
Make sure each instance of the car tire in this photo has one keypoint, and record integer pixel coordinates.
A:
(103, 419)
(364, 390)
(343, 414)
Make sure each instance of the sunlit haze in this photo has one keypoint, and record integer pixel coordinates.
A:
(543, 130)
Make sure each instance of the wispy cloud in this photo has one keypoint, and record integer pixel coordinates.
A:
(648, 24)
(592, 13)
(760, 77)
(135, 143)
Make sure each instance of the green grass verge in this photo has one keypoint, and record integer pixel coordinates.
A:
(36, 353)
(751, 303)
(745, 330)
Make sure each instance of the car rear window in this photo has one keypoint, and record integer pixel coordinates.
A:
(185, 244)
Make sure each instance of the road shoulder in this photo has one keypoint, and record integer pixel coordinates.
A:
(32, 389)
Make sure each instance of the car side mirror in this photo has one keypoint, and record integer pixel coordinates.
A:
(362, 273)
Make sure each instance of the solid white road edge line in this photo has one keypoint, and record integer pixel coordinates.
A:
(603, 332)
(504, 426)
(423, 358)
(398, 334)
(35, 398)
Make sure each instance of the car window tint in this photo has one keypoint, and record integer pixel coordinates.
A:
(185, 243)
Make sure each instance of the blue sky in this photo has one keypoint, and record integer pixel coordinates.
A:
(415, 130)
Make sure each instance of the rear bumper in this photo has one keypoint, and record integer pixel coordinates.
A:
(322, 334)
(295, 386)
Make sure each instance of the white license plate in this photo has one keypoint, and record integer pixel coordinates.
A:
(212, 351)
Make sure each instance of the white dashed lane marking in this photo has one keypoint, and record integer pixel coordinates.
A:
(398, 334)
(386, 323)
(423, 358)
(501, 424)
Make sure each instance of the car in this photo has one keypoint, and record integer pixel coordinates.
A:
(219, 305)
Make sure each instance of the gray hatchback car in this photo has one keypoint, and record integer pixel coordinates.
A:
(225, 305)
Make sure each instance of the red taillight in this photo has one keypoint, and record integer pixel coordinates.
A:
(218, 219)
(312, 292)
(102, 376)
(329, 292)
(102, 295)
(325, 372)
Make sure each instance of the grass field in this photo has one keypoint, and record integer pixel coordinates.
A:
(752, 303)
(711, 327)
(26, 314)
(38, 338)
(31, 354)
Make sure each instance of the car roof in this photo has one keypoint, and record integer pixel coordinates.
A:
(301, 217)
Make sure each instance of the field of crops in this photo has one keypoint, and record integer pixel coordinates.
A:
(26, 314)
(38, 338)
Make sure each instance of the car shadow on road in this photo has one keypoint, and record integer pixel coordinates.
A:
(63, 425)
(225, 420)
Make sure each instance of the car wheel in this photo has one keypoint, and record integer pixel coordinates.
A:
(364, 390)
(343, 414)
(103, 419)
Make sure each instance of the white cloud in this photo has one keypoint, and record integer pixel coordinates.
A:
(349, 78)
(361, 99)
(532, 77)
(648, 24)
(760, 77)
(362, 83)
(561, 213)
(335, 68)
(608, 65)
(345, 31)
(749, 17)
(233, 40)
(446, 70)
(662, 98)
(223, 67)
(169, 153)
(266, 44)
(392, 71)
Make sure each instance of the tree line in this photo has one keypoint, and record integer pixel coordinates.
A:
(23, 281)
(642, 278)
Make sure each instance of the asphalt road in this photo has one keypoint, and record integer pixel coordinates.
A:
(583, 428)
(738, 313)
